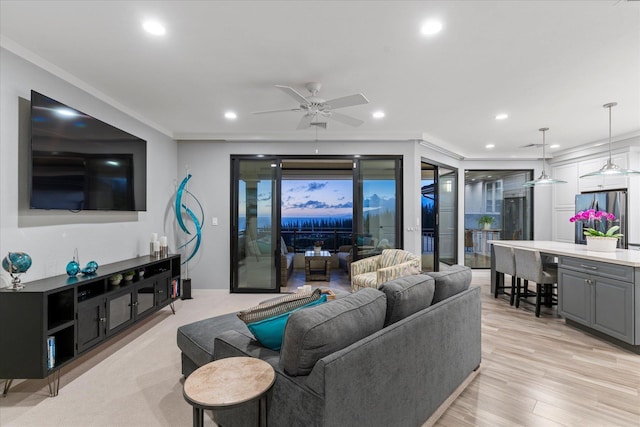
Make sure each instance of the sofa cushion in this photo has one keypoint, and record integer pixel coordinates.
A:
(316, 332)
(407, 295)
(196, 339)
(451, 281)
(283, 247)
(267, 320)
(269, 331)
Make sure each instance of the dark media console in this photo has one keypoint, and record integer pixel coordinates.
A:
(50, 322)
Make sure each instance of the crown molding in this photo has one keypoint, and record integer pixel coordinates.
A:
(27, 55)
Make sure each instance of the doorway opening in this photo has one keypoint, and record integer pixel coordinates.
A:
(496, 207)
(284, 207)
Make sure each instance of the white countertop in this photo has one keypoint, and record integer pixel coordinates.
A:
(620, 256)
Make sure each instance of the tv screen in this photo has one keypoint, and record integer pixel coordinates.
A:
(81, 163)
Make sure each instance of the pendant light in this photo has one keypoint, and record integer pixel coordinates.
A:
(543, 179)
(610, 168)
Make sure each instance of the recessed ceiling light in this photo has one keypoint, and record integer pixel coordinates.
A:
(489, 146)
(230, 115)
(554, 146)
(154, 27)
(489, 176)
(378, 114)
(502, 116)
(431, 27)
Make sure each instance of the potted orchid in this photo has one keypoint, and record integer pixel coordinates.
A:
(597, 240)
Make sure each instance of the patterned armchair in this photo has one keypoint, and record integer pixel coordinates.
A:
(374, 271)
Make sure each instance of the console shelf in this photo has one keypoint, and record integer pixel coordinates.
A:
(76, 314)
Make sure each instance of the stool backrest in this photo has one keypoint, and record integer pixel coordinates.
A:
(505, 261)
(529, 265)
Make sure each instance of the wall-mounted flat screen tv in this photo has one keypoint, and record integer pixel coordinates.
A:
(81, 163)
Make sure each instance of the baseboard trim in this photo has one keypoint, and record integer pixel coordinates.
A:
(445, 405)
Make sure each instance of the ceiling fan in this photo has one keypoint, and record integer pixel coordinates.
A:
(318, 110)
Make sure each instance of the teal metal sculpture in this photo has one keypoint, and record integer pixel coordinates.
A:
(180, 207)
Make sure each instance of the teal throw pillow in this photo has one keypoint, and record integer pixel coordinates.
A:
(270, 331)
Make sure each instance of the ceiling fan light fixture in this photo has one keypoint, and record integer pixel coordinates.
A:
(543, 180)
(609, 167)
(378, 114)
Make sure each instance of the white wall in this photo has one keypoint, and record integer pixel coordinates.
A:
(50, 237)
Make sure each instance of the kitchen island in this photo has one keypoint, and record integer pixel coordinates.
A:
(597, 291)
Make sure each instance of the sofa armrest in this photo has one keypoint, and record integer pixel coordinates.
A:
(393, 272)
(365, 265)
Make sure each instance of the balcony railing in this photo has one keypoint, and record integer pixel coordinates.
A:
(303, 240)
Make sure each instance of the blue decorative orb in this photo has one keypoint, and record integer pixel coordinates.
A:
(16, 262)
(73, 268)
(91, 268)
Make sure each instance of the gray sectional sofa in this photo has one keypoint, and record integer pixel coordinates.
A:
(376, 357)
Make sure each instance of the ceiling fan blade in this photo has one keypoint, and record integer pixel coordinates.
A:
(305, 121)
(343, 118)
(276, 111)
(293, 93)
(347, 101)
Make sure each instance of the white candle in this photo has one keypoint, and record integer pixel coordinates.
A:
(163, 241)
(154, 237)
(156, 246)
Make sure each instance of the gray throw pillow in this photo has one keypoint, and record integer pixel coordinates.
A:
(407, 295)
(316, 332)
(451, 281)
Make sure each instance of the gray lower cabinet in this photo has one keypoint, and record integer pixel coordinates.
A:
(595, 295)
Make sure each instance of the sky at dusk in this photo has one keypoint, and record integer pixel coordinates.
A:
(322, 197)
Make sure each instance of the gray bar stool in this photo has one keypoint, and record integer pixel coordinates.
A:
(505, 264)
(530, 267)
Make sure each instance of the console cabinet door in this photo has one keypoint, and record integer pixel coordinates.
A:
(145, 297)
(163, 289)
(575, 296)
(119, 311)
(91, 323)
(613, 309)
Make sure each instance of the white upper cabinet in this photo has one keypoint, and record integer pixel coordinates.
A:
(564, 195)
(598, 183)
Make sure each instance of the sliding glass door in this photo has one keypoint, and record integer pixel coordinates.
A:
(255, 225)
(439, 190)
(447, 215)
(377, 207)
(257, 208)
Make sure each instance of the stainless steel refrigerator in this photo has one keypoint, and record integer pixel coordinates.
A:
(614, 202)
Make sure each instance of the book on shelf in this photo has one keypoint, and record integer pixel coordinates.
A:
(51, 352)
(175, 286)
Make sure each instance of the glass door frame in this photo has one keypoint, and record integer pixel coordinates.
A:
(437, 166)
(358, 201)
(277, 214)
(275, 223)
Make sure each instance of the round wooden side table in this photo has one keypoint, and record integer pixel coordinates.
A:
(229, 382)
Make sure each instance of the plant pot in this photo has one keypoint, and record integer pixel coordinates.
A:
(602, 244)
(317, 249)
(486, 226)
